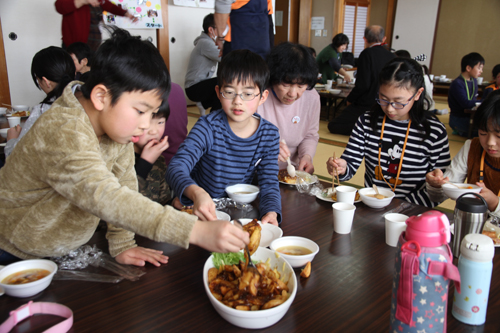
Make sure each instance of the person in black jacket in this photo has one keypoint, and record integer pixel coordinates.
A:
(362, 97)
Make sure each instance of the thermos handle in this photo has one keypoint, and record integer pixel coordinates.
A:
(475, 194)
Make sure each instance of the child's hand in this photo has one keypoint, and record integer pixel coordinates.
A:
(204, 207)
(435, 178)
(490, 197)
(153, 149)
(176, 203)
(284, 151)
(14, 132)
(271, 218)
(218, 236)
(139, 255)
(338, 163)
(306, 164)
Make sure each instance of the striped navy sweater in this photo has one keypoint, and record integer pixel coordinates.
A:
(213, 157)
(420, 157)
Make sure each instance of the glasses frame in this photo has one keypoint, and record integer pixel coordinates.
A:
(241, 96)
(393, 104)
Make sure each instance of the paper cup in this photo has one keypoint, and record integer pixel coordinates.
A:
(343, 215)
(443, 76)
(431, 76)
(14, 121)
(329, 84)
(346, 194)
(340, 81)
(479, 80)
(394, 225)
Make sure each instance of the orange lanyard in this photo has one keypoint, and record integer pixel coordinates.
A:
(481, 170)
(402, 153)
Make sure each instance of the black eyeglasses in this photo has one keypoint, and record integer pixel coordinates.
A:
(244, 96)
(396, 105)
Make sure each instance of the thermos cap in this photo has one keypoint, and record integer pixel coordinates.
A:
(431, 228)
(477, 247)
(471, 204)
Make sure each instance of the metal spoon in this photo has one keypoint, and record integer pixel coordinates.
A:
(290, 168)
(377, 194)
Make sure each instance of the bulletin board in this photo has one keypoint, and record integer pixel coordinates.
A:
(195, 3)
(147, 11)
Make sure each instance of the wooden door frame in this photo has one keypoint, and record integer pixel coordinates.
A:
(162, 36)
(4, 77)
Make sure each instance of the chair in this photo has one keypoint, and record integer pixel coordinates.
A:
(176, 125)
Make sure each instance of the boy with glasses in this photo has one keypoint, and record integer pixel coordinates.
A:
(231, 145)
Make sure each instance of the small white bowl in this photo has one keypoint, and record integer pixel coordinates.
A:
(31, 288)
(3, 132)
(261, 318)
(242, 193)
(222, 216)
(3, 111)
(20, 107)
(296, 261)
(454, 192)
(335, 91)
(374, 202)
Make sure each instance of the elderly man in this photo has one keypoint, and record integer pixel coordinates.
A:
(370, 63)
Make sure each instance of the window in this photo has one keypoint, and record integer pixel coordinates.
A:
(352, 17)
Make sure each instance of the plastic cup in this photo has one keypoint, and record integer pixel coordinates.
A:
(479, 80)
(340, 81)
(346, 194)
(394, 225)
(14, 121)
(329, 84)
(343, 214)
(431, 76)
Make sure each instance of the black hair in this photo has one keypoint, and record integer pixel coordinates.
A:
(487, 116)
(163, 112)
(208, 22)
(312, 51)
(81, 51)
(243, 66)
(292, 64)
(495, 71)
(125, 63)
(374, 34)
(471, 59)
(55, 65)
(339, 40)
(406, 74)
(403, 54)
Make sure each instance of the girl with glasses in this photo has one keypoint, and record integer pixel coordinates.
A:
(399, 139)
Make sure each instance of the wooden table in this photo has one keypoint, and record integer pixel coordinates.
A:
(349, 289)
(335, 101)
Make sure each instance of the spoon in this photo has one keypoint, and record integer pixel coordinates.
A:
(377, 194)
(290, 168)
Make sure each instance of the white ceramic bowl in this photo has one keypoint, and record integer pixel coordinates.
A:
(335, 91)
(31, 288)
(222, 216)
(3, 111)
(20, 107)
(453, 192)
(242, 193)
(3, 132)
(262, 318)
(374, 202)
(296, 261)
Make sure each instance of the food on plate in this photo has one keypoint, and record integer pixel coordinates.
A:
(26, 276)
(306, 272)
(465, 187)
(493, 235)
(187, 210)
(376, 196)
(324, 91)
(254, 229)
(284, 177)
(245, 290)
(20, 114)
(357, 197)
(294, 250)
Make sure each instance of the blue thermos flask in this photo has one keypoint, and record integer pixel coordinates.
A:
(475, 265)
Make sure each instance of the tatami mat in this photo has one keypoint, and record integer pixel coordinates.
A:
(330, 143)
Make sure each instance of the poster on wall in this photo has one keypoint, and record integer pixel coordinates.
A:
(195, 3)
(148, 13)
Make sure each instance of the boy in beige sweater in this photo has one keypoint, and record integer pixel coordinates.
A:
(76, 166)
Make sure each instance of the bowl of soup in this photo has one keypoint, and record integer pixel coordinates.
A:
(242, 193)
(454, 190)
(369, 197)
(297, 251)
(28, 277)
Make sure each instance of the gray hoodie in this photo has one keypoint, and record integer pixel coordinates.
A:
(203, 60)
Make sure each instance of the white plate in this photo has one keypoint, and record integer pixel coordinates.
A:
(3, 144)
(268, 234)
(303, 174)
(452, 230)
(319, 86)
(319, 196)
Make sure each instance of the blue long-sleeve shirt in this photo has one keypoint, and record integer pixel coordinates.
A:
(213, 157)
(458, 101)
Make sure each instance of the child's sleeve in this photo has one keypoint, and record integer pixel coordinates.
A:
(153, 185)
(355, 149)
(459, 93)
(190, 152)
(267, 175)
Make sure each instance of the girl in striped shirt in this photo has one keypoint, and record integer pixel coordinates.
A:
(399, 139)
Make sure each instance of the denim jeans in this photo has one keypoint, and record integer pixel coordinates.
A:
(7, 258)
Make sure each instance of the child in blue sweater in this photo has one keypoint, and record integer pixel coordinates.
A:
(231, 145)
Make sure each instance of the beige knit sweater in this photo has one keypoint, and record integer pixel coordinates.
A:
(60, 180)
